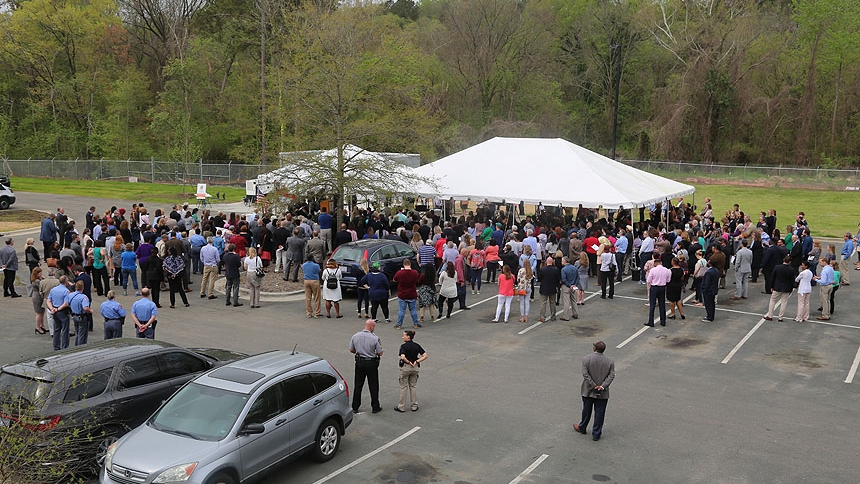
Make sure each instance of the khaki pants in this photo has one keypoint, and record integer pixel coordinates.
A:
(207, 284)
(844, 268)
(775, 296)
(547, 300)
(568, 299)
(825, 300)
(408, 379)
(312, 293)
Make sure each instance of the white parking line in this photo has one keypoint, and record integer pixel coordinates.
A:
(493, 298)
(529, 469)
(691, 296)
(741, 343)
(631, 338)
(367, 456)
(854, 366)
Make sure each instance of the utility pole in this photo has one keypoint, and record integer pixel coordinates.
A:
(617, 49)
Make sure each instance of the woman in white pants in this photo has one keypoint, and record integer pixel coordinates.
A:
(506, 293)
(524, 287)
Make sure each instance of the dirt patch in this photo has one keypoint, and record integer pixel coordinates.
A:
(804, 358)
(11, 220)
(586, 331)
(275, 282)
(409, 469)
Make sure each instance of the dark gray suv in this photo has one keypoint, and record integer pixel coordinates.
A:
(235, 423)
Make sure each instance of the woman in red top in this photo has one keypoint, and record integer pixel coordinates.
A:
(591, 244)
(506, 293)
(491, 258)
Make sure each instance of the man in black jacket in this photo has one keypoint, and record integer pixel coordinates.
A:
(710, 287)
(550, 279)
(783, 283)
(232, 263)
(773, 256)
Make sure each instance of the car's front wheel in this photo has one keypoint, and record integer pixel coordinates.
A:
(221, 478)
(111, 435)
(327, 441)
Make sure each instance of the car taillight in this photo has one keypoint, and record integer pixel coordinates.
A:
(36, 425)
(345, 384)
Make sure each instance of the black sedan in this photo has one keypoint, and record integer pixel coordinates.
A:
(96, 393)
(388, 253)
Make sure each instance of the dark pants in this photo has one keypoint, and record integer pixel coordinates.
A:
(176, 286)
(492, 267)
(374, 305)
(593, 268)
(232, 290)
(113, 328)
(362, 297)
(149, 333)
(101, 280)
(195, 261)
(461, 294)
(768, 279)
(442, 300)
(599, 406)
(603, 277)
(292, 268)
(619, 264)
(155, 293)
(9, 282)
(82, 328)
(366, 368)
(657, 297)
(61, 330)
(833, 301)
(643, 258)
(710, 302)
(46, 249)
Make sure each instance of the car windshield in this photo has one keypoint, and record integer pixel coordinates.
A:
(200, 412)
(349, 253)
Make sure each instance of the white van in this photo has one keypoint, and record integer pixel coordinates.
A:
(7, 196)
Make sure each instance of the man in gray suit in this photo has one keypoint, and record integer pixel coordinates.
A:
(295, 254)
(598, 371)
(316, 249)
(743, 270)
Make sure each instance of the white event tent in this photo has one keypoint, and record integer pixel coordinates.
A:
(548, 171)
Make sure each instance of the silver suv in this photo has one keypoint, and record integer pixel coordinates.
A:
(236, 422)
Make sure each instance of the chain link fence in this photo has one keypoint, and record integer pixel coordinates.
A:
(749, 175)
(157, 171)
(235, 174)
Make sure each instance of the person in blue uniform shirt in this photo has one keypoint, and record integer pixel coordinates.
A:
(144, 314)
(79, 304)
(60, 311)
(114, 315)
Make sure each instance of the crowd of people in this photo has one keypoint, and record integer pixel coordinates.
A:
(551, 255)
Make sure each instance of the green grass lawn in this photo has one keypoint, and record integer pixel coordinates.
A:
(135, 192)
(829, 212)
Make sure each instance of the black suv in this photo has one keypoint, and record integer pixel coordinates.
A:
(108, 388)
(388, 253)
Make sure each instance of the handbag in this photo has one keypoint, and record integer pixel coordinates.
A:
(260, 272)
(521, 292)
(266, 255)
(51, 261)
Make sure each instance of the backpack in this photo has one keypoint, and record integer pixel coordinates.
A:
(477, 259)
(331, 280)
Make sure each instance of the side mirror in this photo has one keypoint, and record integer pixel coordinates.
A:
(252, 429)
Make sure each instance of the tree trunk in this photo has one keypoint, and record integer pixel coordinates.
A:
(807, 108)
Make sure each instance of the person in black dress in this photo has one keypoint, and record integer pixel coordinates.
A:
(673, 289)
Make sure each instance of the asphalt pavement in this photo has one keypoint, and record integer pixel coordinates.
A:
(739, 400)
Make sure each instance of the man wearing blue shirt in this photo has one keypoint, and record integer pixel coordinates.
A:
(313, 295)
(325, 220)
(114, 315)
(144, 314)
(197, 243)
(844, 261)
(825, 285)
(210, 259)
(79, 304)
(60, 310)
(569, 284)
(621, 244)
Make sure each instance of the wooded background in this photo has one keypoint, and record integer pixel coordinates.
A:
(713, 81)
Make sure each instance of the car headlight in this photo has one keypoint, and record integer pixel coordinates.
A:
(109, 455)
(179, 473)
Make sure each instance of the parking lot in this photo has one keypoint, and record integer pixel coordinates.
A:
(739, 400)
